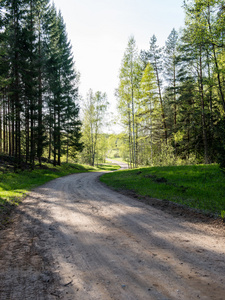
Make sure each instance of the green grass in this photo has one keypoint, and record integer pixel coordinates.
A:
(108, 167)
(200, 186)
(14, 186)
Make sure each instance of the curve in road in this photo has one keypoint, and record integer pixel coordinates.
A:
(73, 238)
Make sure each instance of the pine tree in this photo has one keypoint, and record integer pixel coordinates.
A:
(154, 55)
(30, 80)
(171, 65)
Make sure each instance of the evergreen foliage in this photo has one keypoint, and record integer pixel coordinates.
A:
(38, 84)
(180, 102)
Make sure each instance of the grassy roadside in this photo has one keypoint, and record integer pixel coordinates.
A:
(14, 186)
(201, 186)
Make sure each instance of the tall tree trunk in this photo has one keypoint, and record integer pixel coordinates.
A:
(175, 107)
(220, 86)
(133, 126)
(67, 148)
(151, 133)
(10, 126)
(1, 125)
(40, 102)
(32, 99)
(13, 127)
(59, 138)
(16, 97)
(27, 126)
(130, 136)
(201, 90)
(18, 120)
(54, 135)
(136, 147)
(50, 136)
(161, 103)
(210, 106)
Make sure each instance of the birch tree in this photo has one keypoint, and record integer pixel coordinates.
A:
(94, 110)
(128, 90)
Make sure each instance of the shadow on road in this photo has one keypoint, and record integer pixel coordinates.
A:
(75, 239)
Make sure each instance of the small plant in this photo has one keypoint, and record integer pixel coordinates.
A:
(223, 215)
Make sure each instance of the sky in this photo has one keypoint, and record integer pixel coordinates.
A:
(99, 31)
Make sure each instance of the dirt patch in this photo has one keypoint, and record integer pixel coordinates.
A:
(177, 210)
(156, 179)
(5, 214)
(26, 271)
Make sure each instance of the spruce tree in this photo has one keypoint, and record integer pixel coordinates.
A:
(15, 14)
(42, 9)
(38, 82)
(61, 83)
(154, 56)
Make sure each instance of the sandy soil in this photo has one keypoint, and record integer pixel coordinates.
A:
(73, 238)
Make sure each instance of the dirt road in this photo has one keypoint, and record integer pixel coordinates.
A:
(75, 239)
(122, 164)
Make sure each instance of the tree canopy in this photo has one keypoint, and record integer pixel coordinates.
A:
(178, 91)
(38, 84)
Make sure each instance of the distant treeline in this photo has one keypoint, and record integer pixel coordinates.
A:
(172, 99)
(38, 84)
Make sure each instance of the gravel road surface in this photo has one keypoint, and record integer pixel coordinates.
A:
(73, 238)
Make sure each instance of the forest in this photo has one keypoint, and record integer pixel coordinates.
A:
(171, 99)
(39, 113)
